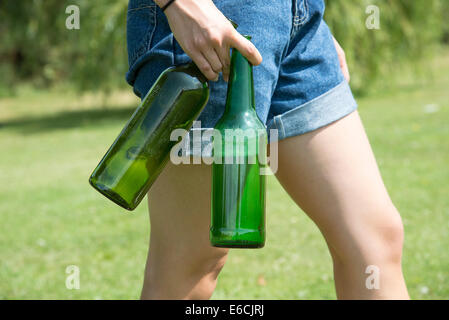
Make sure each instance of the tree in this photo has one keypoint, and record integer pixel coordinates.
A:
(37, 47)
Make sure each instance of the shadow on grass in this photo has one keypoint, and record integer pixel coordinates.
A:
(69, 120)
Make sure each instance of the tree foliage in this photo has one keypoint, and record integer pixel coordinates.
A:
(37, 47)
(409, 31)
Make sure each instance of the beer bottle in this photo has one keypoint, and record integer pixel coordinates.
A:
(139, 153)
(238, 187)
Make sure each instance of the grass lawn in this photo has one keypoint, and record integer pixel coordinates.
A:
(51, 218)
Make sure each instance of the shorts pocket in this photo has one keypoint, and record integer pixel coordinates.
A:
(140, 27)
(300, 12)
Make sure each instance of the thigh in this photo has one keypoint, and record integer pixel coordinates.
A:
(179, 205)
(332, 174)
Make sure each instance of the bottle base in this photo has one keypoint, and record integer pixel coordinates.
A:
(236, 238)
(238, 245)
(111, 195)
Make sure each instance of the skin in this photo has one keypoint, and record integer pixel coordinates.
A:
(331, 173)
(205, 34)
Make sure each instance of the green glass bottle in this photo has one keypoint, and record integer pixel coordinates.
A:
(138, 155)
(238, 187)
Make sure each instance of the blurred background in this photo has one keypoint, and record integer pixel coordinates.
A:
(63, 100)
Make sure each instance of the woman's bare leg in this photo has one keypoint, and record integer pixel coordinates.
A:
(181, 262)
(332, 175)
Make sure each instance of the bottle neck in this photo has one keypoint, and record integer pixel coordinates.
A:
(192, 69)
(240, 94)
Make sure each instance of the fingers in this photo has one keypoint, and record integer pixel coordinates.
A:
(204, 65)
(246, 48)
(342, 59)
(212, 53)
(223, 54)
(207, 60)
(211, 56)
(344, 67)
(206, 35)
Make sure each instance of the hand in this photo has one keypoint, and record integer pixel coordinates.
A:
(342, 59)
(205, 34)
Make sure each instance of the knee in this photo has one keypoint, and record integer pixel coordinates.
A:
(377, 241)
(390, 237)
(183, 275)
(205, 271)
(209, 264)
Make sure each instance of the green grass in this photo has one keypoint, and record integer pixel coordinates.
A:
(51, 218)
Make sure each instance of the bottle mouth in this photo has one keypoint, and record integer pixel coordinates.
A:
(235, 25)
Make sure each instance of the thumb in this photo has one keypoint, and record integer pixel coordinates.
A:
(246, 48)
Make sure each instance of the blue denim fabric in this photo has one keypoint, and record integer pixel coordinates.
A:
(299, 86)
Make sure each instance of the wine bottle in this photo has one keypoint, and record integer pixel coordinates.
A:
(140, 152)
(238, 187)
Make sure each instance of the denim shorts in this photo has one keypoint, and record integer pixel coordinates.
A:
(299, 86)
